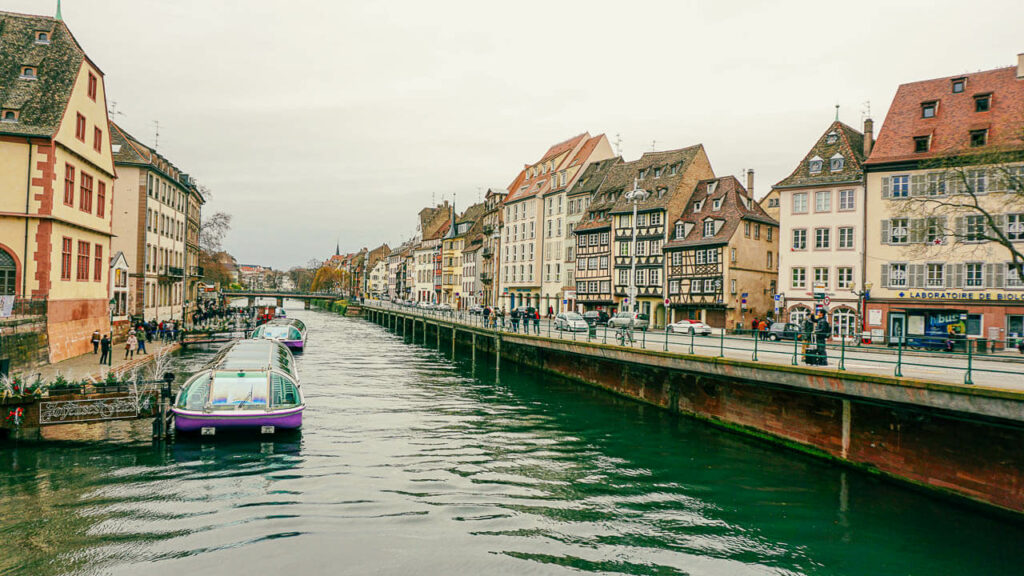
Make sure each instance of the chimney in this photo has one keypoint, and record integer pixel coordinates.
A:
(1020, 65)
(750, 182)
(869, 136)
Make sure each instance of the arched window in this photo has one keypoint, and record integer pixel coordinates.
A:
(8, 274)
(797, 314)
(844, 322)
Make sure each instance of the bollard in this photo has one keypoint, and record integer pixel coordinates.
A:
(842, 353)
(967, 376)
(693, 334)
(666, 338)
(755, 347)
(899, 357)
(796, 349)
(721, 345)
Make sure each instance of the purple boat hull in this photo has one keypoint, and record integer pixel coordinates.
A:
(294, 344)
(187, 421)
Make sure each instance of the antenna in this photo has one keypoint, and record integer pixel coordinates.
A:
(618, 144)
(865, 110)
(156, 139)
(654, 145)
(113, 109)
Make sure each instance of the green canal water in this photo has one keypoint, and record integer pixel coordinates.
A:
(412, 463)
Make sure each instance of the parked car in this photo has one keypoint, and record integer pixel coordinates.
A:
(425, 305)
(621, 320)
(476, 310)
(571, 322)
(596, 317)
(447, 308)
(783, 331)
(689, 327)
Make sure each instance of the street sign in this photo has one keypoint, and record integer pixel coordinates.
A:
(744, 301)
(777, 297)
(667, 301)
(744, 295)
(827, 301)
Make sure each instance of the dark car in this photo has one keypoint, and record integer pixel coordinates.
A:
(783, 331)
(596, 317)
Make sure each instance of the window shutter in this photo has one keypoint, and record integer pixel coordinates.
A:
(885, 276)
(917, 228)
(944, 224)
(989, 275)
(886, 187)
(916, 275)
(917, 185)
(947, 275)
(961, 227)
(886, 231)
(958, 275)
(1000, 220)
(998, 275)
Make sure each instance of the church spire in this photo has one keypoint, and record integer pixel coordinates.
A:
(337, 249)
(58, 17)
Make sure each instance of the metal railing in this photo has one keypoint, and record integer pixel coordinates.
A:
(997, 364)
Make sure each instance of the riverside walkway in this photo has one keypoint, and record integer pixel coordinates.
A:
(1003, 370)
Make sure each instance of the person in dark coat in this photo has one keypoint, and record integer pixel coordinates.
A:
(514, 317)
(822, 330)
(95, 340)
(105, 350)
(807, 335)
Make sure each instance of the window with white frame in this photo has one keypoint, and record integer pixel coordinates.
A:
(709, 285)
(799, 239)
(844, 277)
(897, 275)
(822, 238)
(1012, 276)
(641, 248)
(1015, 226)
(844, 322)
(677, 258)
(604, 238)
(641, 277)
(709, 228)
(655, 277)
(641, 219)
(821, 276)
(606, 286)
(847, 200)
(814, 164)
(936, 184)
(974, 228)
(846, 237)
(973, 275)
(900, 186)
(623, 248)
(977, 181)
(712, 255)
(799, 277)
(673, 286)
(800, 203)
(604, 262)
(935, 275)
(701, 256)
(655, 219)
(900, 231)
(623, 276)
(823, 201)
(679, 230)
(836, 163)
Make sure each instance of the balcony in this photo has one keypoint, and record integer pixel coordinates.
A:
(196, 271)
(175, 272)
(488, 229)
(485, 277)
(487, 252)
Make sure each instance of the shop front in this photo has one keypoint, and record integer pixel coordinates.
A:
(929, 322)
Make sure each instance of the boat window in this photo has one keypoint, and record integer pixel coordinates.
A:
(283, 391)
(193, 397)
(238, 389)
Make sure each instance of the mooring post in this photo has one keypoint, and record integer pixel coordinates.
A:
(497, 356)
(721, 345)
(899, 357)
(453, 341)
(473, 339)
(755, 346)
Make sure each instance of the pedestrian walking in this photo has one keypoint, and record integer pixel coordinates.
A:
(130, 345)
(536, 323)
(806, 335)
(95, 341)
(487, 315)
(105, 350)
(753, 324)
(822, 330)
(762, 330)
(140, 337)
(515, 319)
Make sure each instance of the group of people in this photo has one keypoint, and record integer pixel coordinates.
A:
(760, 325)
(519, 317)
(135, 341)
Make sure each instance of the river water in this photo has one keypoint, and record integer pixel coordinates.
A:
(413, 463)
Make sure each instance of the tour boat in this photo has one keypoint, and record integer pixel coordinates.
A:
(289, 331)
(249, 385)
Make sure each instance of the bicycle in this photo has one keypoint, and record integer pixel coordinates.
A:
(623, 335)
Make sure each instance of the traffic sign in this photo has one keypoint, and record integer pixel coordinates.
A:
(667, 301)
(826, 301)
(778, 297)
(744, 295)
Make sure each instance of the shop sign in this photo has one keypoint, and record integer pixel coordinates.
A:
(952, 295)
(875, 317)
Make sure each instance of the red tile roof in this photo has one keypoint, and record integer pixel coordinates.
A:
(516, 191)
(954, 117)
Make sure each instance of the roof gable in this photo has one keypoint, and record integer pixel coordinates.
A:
(838, 140)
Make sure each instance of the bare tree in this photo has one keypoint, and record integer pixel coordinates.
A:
(967, 205)
(212, 231)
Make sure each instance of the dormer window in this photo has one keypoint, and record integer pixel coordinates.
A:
(642, 174)
(709, 228)
(9, 116)
(815, 165)
(42, 37)
(922, 143)
(673, 170)
(661, 192)
(697, 206)
(716, 204)
(959, 84)
(712, 186)
(680, 233)
(657, 172)
(836, 163)
(928, 109)
(982, 102)
(832, 138)
(28, 73)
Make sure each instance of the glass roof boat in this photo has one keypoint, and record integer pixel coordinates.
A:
(250, 384)
(289, 331)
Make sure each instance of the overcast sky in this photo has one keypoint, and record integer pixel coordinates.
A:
(314, 121)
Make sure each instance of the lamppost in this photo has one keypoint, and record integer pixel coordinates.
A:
(636, 195)
(861, 296)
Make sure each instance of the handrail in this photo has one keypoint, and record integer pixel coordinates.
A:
(968, 366)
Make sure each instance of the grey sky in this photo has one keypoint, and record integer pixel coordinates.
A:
(318, 120)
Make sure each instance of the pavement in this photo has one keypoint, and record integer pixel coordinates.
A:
(88, 365)
(1004, 370)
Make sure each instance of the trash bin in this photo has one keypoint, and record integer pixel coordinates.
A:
(981, 346)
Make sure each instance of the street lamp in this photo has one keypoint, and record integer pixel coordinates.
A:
(861, 295)
(636, 195)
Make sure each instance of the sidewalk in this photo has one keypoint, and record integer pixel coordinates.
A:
(88, 365)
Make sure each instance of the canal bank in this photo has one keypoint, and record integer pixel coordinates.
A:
(957, 441)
